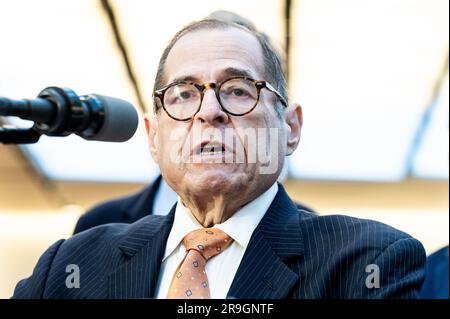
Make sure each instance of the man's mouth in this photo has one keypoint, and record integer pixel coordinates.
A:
(210, 148)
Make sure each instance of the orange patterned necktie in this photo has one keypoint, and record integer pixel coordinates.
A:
(190, 280)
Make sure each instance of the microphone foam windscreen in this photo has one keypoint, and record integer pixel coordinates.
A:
(121, 120)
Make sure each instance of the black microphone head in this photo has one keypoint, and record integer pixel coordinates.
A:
(120, 120)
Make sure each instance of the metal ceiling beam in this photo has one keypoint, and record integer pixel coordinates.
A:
(109, 11)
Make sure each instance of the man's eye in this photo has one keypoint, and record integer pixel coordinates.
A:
(182, 96)
(185, 95)
(237, 92)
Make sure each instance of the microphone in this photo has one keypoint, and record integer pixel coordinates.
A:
(60, 112)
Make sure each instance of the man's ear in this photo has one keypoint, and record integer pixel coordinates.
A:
(294, 120)
(151, 126)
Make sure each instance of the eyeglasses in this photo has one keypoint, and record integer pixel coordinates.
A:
(237, 96)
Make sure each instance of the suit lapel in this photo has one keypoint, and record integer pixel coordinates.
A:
(139, 258)
(263, 273)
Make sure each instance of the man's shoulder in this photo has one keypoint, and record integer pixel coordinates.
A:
(102, 244)
(94, 253)
(358, 254)
(113, 233)
(342, 230)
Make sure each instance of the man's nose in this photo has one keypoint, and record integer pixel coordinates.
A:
(210, 110)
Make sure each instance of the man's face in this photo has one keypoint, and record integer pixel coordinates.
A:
(218, 153)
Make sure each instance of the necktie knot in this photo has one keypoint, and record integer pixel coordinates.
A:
(190, 280)
(209, 242)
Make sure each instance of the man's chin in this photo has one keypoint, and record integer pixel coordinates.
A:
(214, 179)
(212, 168)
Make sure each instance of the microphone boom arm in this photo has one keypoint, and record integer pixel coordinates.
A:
(19, 136)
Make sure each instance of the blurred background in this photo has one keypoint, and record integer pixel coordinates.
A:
(372, 77)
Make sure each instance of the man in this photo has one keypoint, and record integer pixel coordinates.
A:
(221, 130)
(156, 198)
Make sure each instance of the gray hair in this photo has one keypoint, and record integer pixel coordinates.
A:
(273, 64)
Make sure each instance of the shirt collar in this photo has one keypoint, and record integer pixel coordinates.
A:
(240, 226)
(164, 199)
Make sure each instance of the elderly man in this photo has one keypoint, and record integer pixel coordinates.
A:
(158, 197)
(220, 132)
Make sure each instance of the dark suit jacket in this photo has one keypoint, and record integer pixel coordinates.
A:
(127, 209)
(291, 254)
(436, 281)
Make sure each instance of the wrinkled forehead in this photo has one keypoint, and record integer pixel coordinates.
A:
(212, 55)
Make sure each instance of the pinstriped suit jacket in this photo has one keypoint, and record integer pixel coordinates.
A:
(291, 254)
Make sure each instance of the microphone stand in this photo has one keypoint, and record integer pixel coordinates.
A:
(13, 135)
(70, 110)
(18, 135)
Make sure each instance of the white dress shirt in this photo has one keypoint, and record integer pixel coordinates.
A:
(165, 198)
(222, 268)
